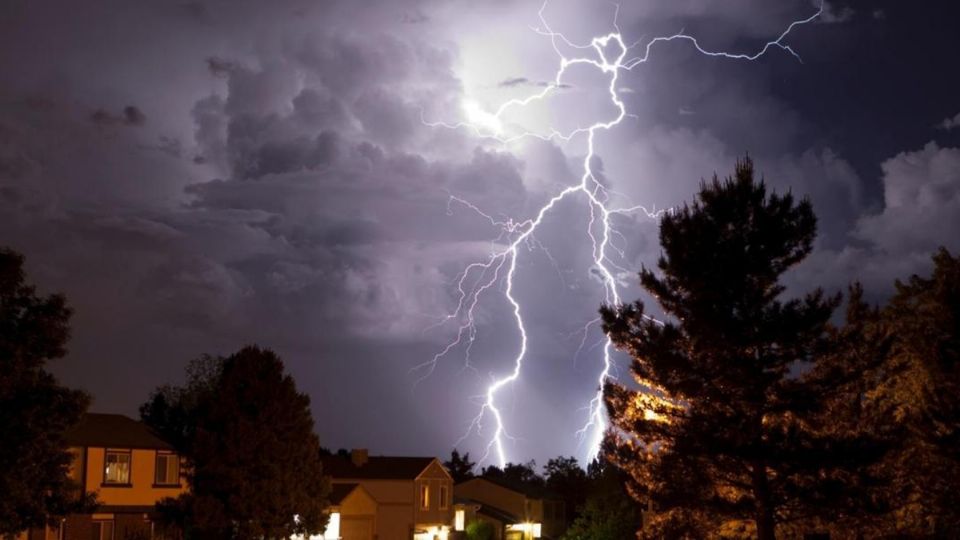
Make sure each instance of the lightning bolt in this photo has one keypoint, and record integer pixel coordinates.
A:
(608, 54)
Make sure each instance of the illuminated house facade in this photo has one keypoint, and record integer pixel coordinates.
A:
(129, 468)
(516, 512)
(412, 497)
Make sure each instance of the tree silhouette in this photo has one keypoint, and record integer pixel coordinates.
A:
(919, 395)
(459, 467)
(255, 468)
(523, 474)
(35, 410)
(564, 477)
(725, 433)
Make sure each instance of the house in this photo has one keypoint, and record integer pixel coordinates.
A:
(129, 468)
(516, 511)
(413, 497)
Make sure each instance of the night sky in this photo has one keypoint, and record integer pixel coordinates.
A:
(200, 175)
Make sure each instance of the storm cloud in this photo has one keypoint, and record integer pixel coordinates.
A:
(199, 176)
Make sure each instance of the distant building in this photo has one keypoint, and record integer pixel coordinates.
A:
(517, 512)
(129, 468)
(412, 497)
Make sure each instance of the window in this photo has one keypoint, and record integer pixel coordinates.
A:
(116, 468)
(458, 519)
(102, 530)
(168, 470)
(443, 498)
(424, 496)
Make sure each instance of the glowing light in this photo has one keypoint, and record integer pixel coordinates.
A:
(459, 519)
(609, 55)
(481, 118)
(527, 530)
(433, 533)
(332, 531)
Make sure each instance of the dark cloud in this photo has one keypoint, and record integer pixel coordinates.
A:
(129, 116)
(283, 187)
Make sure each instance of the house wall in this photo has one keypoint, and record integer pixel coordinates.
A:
(394, 506)
(141, 492)
(500, 497)
(358, 516)
(434, 476)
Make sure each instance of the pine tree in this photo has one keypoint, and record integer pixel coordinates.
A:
(919, 396)
(726, 433)
(459, 467)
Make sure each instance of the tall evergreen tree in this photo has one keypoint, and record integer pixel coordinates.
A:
(35, 410)
(919, 395)
(459, 467)
(255, 469)
(725, 432)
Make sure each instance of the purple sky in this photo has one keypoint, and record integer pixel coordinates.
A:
(196, 176)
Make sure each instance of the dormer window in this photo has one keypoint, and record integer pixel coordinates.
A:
(116, 467)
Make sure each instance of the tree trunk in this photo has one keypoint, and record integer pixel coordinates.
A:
(766, 527)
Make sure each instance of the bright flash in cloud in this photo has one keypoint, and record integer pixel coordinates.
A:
(611, 56)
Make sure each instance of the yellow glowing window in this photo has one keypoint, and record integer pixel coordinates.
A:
(168, 470)
(116, 468)
(425, 496)
(458, 520)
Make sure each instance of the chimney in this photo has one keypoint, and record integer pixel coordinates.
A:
(359, 457)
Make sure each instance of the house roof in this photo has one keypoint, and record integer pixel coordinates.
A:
(532, 492)
(376, 467)
(339, 492)
(114, 431)
(500, 515)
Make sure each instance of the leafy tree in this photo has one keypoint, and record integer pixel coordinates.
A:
(565, 478)
(517, 473)
(608, 513)
(480, 530)
(459, 467)
(725, 431)
(255, 462)
(35, 410)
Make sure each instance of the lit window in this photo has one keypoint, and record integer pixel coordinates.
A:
(458, 520)
(102, 530)
(425, 497)
(443, 498)
(168, 470)
(116, 468)
(332, 531)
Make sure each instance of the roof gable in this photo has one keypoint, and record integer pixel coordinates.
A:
(114, 431)
(376, 467)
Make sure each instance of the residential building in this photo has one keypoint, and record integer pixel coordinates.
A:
(129, 469)
(413, 496)
(516, 511)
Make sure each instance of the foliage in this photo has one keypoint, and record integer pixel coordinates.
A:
(254, 459)
(517, 473)
(725, 430)
(608, 513)
(565, 478)
(919, 395)
(35, 410)
(459, 467)
(480, 530)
